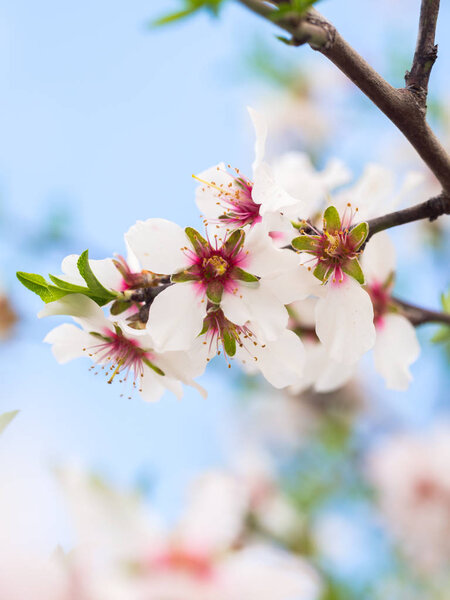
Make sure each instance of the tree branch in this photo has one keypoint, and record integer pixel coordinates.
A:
(426, 51)
(418, 315)
(401, 106)
(431, 210)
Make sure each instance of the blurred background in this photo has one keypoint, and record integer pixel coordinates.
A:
(103, 120)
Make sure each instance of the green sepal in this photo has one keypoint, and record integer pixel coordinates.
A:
(234, 242)
(241, 275)
(214, 292)
(6, 418)
(99, 336)
(322, 271)
(153, 366)
(306, 243)
(353, 269)
(186, 275)
(198, 242)
(41, 287)
(119, 306)
(229, 343)
(91, 280)
(358, 235)
(331, 220)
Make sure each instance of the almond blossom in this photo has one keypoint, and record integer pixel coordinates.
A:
(411, 476)
(396, 346)
(243, 274)
(127, 553)
(344, 312)
(277, 194)
(121, 352)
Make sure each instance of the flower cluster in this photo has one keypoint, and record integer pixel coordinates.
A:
(270, 244)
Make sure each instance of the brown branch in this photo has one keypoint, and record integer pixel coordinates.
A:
(426, 51)
(401, 106)
(419, 316)
(431, 210)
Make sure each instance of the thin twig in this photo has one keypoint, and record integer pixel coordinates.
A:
(426, 51)
(431, 210)
(418, 315)
(401, 106)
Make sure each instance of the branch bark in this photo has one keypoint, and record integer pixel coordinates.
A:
(426, 51)
(401, 106)
(430, 209)
(419, 316)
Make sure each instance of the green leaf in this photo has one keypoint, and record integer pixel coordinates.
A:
(69, 287)
(353, 268)
(306, 243)
(331, 220)
(198, 242)
(38, 285)
(153, 366)
(358, 235)
(6, 418)
(91, 280)
(229, 343)
(214, 291)
(242, 275)
(189, 9)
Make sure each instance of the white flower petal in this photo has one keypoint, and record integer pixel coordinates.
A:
(281, 361)
(158, 244)
(151, 387)
(265, 311)
(260, 126)
(68, 342)
(396, 348)
(293, 285)
(264, 258)
(268, 192)
(344, 321)
(104, 269)
(207, 196)
(89, 314)
(176, 317)
(378, 261)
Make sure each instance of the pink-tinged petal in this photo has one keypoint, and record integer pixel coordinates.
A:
(378, 260)
(266, 312)
(85, 310)
(103, 269)
(396, 348)
(176, 317)
(293, 285)
(264, 258)
(215, 513)
(268, 193)
(68, 342)
(344, 321)
(260, 127)
(158, 245)
(282, 361)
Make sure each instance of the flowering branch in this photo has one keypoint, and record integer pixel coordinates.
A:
(426, 51)
(430, 209)
(401, 106)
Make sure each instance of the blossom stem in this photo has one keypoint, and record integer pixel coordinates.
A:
(430, 209)
(404, 106)
(418, 315)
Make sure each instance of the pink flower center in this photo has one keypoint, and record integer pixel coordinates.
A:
(380, 299)
(119, 355)
(194, 564)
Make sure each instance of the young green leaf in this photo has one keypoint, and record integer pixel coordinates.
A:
(38, 285)
(91, 280)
